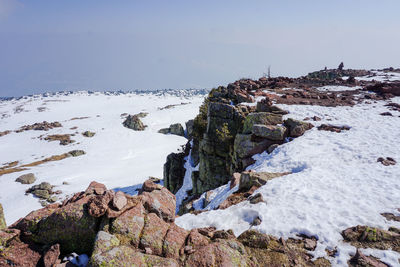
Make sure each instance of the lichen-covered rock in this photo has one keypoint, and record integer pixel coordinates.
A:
(28, 178)
(297, 128)
(119, 201)
(3, 224)
(76, 153)
(370, 237)
(71, 226)
(196, 240)
(153, 234)
(133, 122)
(161, 202)
(189, 129)
(19, 254)
(174, 241)
(88, 134)
(271, 132)
(129, 225)
(51, 256)
(264, 118)
(248, 179)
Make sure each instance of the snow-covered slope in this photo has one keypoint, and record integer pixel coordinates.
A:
(336, 181)
(116, 156)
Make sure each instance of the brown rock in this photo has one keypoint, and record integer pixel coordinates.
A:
(196, 240)
(361, 260)
(161, 202)
(98, 205)
(153, 234)
(333, 128)
(387, 162)
(149, 186)
(174, 241)
(257, 198)
(129, 225)
(119, 200)
(96, 188)
(51, 256)
(391, 217)
(19, 254)
(234, 180)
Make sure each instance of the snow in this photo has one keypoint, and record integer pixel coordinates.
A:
(187, 181)
(336, 181)
(216, 197)
(116, 156)
(338, 88)
(381, 76)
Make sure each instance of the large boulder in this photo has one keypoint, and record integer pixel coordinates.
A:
(133, 122)
(271, 132)
(176, 129)
(28, 178)
(152, 236)
(248, 179)
(264, 118)
(297, 128)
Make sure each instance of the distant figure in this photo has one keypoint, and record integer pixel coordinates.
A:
(325, 68)
(341, 66)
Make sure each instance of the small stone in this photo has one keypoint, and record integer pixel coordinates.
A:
(256, 221)
(40, 193)
(88, 134)
(65, 183)
(119, 200)
(96, 188)
(387, 162)
(149, 186)
(148, 251)
(76, 153)
(386, 114)
(28, 178)
(52, 199)
(271, 148)
(310, 243)
(257, 198)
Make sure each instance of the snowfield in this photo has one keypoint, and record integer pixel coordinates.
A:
(116, 156)
(336, 181)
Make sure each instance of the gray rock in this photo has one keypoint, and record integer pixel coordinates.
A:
(177, 129)
(189, 129)
(249, 179)
(271, 132)
(265, 118)
(88, 134)
(272, 148)
(297, 128)
(28, 178)
(257, 198)
(133, 122)
(76, 153)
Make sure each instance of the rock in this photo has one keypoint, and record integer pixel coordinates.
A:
(249, 179)
(189, 129)
(177, 129)
(98, 205)
(391, 217)
(386, 114)
(264, 118)
(133, 122)
(174, 241)
(3, 224)
(149, 186)
(51, 256)
(88, 134)
(271, 148)
(385, 88)
(333, 128)
(174, 171)
(310, 243)
(28, 178)
(257, 198)
(103, 243)
(153, 233)
(71, 226)
(271, 132)
(76, 153)
(119, 200)
(369, 237)
(297, 128)
(19, 254)
(96, 188)
(265, 105)
(254, 239)
(161, 202)
(196, 240)
(234, 180)
(361, 260)
(256, 221)
(129, 225)
(386, 162)
(44, 194)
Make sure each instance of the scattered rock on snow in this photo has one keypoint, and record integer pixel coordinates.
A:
(28, 178)
(361, 260)
(133, 122)
(333, 128)
(76, 153)
(387, 162)
(88, 134)
(176, 129)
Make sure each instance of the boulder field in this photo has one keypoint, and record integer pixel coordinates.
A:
(116, 229)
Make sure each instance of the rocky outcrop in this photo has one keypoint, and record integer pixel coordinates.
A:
(333, 128)
(133, 122)
(392, 88)
(143, 234)
(370, 237)
(176, 129)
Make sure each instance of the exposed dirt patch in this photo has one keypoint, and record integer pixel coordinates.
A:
(41, 126)
(79, 118)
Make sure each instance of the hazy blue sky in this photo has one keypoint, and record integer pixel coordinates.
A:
(107, 45)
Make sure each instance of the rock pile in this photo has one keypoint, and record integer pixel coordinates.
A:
(42, 126)
(116, 229)
(133, 122)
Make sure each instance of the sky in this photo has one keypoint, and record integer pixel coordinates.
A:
(48, 45)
